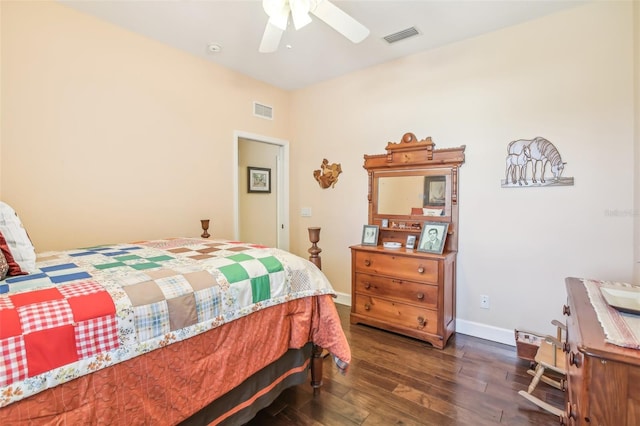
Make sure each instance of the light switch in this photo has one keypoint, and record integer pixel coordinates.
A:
(305, 212)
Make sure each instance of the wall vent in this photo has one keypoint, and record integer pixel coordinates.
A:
(263, 111)
(401, 35)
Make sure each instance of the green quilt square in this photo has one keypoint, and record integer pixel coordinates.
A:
(260, 288)
(240, 257)
(159, 258)
(234, 273)
(146, 265)
(272, 264)
(109, 265)
(127, 257)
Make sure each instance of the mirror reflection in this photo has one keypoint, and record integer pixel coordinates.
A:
(399, 194)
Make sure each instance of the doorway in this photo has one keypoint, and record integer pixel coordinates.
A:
(261, 217)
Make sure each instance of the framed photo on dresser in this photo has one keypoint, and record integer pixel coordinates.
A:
(433, 237)
(370, 235)
(411, 242)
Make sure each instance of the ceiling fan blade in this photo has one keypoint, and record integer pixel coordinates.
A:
(270, 39)
(336, 18)
(300, 13)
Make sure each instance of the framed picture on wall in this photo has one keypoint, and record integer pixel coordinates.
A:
(259, 179)
(433, 237)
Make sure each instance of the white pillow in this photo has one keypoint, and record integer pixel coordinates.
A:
(18, 241)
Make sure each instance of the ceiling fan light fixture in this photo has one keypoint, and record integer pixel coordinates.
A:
(278, 12)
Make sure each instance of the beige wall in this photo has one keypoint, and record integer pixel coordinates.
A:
(108, 136)
(554, 77)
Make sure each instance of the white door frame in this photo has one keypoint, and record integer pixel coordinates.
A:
(282, 214)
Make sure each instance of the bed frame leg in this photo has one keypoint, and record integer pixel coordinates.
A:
(316, 369)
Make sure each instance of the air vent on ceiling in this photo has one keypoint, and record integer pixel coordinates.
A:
(401, 35)
(263, 111)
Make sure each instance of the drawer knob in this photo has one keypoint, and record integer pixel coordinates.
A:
(566, 310)
(367, 262)
(574, 359)
(367, 286)
(367, 307)
(421, 269)
(421, 323)
(420, 296)
(566, 347)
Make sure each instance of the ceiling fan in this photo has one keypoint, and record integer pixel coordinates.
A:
(279, 10)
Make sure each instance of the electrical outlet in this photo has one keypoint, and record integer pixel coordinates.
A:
(484, 301)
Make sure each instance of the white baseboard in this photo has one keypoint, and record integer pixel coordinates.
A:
(484, 331)
(343, 299)
(470, 328)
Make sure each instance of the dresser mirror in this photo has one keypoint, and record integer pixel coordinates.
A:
(411, 193)
(411, 184)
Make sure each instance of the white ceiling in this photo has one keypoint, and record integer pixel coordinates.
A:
(318, 52)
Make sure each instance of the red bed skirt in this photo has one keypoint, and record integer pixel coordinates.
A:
(170, 384)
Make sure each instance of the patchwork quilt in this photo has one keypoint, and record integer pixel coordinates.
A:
(87, 309)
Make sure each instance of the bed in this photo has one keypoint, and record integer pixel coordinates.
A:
(172, 331)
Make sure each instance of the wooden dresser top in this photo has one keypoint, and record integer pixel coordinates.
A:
(591, 338)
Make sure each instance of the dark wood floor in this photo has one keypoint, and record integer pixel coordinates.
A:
(396, 380)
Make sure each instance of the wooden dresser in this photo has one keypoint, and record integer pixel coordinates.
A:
(603, 379)
(404, 290)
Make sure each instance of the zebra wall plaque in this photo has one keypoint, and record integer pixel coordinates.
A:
(526, 164)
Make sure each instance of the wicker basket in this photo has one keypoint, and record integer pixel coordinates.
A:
(527, 344)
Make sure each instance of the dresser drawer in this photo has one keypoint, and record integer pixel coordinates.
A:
(401, 267)
(423, 295)
(396, 313)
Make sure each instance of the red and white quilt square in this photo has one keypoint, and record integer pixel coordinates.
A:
(80, 289)
(5, 303)
(96, 336)
(13, 360)
(40, 316)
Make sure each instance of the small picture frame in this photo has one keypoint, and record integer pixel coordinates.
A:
(370, 235)
(385, 223)
(258, 180)
(433, 237)
(411, 242)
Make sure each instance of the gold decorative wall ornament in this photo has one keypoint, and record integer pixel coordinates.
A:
(328, 174)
